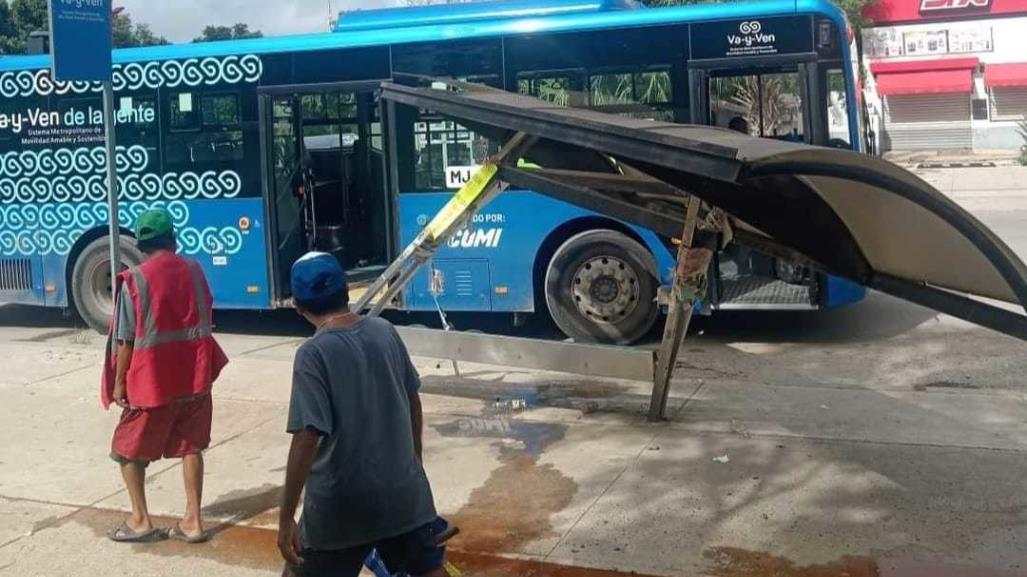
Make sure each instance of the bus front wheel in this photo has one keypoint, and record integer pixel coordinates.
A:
(91, 280)
(599, 288)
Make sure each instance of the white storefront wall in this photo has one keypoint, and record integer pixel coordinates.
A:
(910, 122)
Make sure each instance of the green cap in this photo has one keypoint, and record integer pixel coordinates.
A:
(154, 223)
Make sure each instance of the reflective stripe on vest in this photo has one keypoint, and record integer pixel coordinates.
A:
(151, 338)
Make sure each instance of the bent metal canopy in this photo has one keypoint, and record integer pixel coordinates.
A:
(844, 213)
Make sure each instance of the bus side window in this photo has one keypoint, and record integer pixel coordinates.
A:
(443, 152)
(204, 128)
(837, 105)
(138, 125)
(640, 94)
(565, 88)
(441, 146)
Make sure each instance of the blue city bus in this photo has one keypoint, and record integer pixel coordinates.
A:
(263, 149)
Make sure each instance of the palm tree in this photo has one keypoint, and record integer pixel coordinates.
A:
(761, 97)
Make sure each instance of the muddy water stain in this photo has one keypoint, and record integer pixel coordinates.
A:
(919, 567)
(255, 548)
(734, 562)
(234, 545)
(515, 504)
(484, 565)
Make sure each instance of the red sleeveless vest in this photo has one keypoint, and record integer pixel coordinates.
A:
(175, 354)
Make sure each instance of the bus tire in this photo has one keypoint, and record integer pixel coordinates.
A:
(599, 288)
(91, 284)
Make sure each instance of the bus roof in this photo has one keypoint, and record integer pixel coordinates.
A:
(439, 14)
(478, 27)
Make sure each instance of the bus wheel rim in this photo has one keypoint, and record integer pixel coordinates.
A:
(605, 289)
(100, 289)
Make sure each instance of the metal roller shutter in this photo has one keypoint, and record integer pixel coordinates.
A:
(1008, 104)
(927, 122)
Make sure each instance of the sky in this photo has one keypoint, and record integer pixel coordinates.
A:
(182, 20)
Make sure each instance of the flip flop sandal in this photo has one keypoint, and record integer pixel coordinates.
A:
(178, 534)
(125, 534)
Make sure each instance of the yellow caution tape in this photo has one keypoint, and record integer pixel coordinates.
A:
(452, 571)
(456, 206)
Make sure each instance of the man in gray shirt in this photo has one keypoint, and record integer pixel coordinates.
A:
(356, 421)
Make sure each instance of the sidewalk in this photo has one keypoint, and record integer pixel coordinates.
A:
(875, 441)
(915, 158)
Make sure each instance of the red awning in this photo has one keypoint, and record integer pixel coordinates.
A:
(933, 82)
(1005, 75)
(882, 67)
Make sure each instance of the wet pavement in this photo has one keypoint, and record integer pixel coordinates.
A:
(877, 441)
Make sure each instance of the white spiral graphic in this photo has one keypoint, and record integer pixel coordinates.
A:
(139, 75)
(189, 241)
(52, 229)
(65, 162)
(78, 175)
(750, 27)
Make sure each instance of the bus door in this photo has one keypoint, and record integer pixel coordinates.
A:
(324, 178)
(773, 102)
(766, 100)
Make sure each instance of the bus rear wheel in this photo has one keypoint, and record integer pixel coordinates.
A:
(599, 288)
(91, 288)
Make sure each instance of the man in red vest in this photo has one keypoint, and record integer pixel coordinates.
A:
(160, 365)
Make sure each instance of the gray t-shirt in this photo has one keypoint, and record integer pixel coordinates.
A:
(126, 319)
(353, 385)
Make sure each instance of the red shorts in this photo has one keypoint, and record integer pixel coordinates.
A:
(170, 431)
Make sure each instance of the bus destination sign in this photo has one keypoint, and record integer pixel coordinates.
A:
(753, 37)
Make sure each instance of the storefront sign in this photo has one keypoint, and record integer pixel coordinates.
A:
(895, 11)
(747, 38)
(970, 38)
(923, 42)
(943, 5)
(957, 38)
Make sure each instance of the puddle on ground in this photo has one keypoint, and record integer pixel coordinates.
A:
(513, 507)
(588, 397)
(514, 434)
(234, 545)
(515, 504)
(256, 548)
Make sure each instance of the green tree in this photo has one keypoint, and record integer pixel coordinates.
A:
(8, 30)
(235, 32)
(18, 19)
(30, 15)
(129, 35)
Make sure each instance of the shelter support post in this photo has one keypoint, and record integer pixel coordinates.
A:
(689, 285)
(484, 186)
(112, 182)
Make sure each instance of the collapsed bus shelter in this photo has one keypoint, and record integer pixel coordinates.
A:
(843, 213)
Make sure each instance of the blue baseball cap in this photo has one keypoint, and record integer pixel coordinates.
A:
(318, 277)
